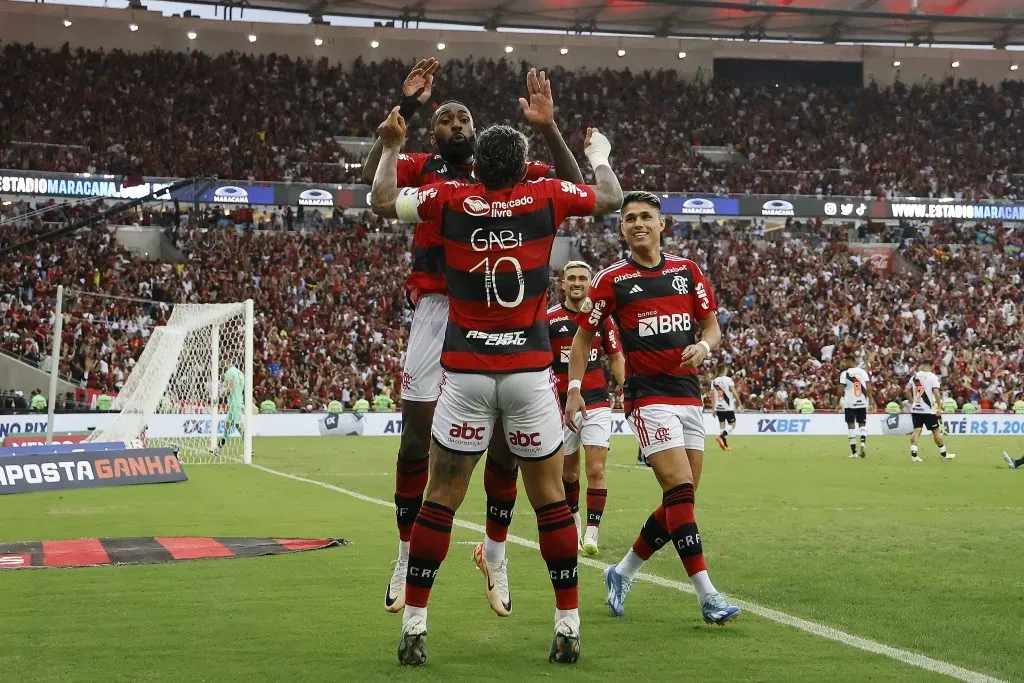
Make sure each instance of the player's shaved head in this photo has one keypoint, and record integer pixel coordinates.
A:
(451, 130)
(501, 157)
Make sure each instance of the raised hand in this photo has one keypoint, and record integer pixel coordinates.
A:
(392, 129)
(421, 77)
(539, 110)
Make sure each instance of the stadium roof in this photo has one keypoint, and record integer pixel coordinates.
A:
(986, 22)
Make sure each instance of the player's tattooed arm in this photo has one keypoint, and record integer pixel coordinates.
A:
(581, 345)
(385, 180)
(415, 89)
(606, 189)
(617, 364)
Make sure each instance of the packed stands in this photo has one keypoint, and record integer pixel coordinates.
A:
(151, 113)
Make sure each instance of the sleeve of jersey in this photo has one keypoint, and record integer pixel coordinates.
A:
(410, 167)
(706, 304)
(538, 169)
(570, 199)
(610, 334)
(603, 300)
(420, 204)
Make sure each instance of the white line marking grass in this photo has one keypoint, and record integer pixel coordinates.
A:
(822, 631)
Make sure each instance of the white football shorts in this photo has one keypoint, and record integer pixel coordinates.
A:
(526, 402)
(422, 372)
(596, 430)
(659, 427)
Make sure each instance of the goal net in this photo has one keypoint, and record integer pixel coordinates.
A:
(191, 388)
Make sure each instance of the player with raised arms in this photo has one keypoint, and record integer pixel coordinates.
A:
(453, 134)
(925, 409)
(595, 432)
(660, 303)
(496, 359)
(856, 385)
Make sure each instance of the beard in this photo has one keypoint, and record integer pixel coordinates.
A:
(458, 152)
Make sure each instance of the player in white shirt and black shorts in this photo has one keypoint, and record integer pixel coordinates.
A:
(856, 385)
(726, 406)
(926, 409)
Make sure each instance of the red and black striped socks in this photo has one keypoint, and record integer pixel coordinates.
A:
(410, 482)
(431, 535)
(500, 487)
(596, 499)
(558, 547)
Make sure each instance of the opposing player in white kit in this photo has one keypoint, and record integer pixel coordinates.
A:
(856, 400)
(595, 431)
(497, 237)
(726, 406)
(926, 409)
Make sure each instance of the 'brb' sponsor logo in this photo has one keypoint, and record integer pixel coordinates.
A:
(782, 426)
(524, 440)
(466, 432)
(665, 324)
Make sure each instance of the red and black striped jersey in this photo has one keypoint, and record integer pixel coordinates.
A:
(496, 250)
(658, 311)
(562, 328)
(416, 170)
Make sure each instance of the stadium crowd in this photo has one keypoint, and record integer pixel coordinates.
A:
(151, 114)
(794, 302)
(332, 322)
(331, 316)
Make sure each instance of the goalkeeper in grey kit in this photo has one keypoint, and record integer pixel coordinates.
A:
(234, 390)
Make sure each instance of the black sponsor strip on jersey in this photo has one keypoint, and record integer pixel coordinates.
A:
(643, 386)
(648, 336)
(537, 223)
(499, 342)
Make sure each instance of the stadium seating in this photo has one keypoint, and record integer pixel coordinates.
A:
(276, 115)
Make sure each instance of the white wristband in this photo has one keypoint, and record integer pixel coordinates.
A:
(705, 345)
(574, 384)
(597, 159)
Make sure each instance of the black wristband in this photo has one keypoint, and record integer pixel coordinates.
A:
(410, 104)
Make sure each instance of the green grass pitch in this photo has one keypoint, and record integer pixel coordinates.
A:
(922, 557)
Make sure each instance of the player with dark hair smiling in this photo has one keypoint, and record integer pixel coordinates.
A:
(665, 311)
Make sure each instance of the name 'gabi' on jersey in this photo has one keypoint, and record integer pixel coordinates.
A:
(658, 312)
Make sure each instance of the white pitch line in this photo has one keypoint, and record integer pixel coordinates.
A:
(912, 658)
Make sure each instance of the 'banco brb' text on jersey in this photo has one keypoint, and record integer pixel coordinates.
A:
(496, 247)
(416, 170)
(562, 325)
(658, 312)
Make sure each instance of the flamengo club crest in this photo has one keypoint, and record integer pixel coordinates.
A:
(680, 285)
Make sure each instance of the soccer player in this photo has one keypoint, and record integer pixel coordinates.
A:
(1014, 464)
(234, 390)
(453, 134)
(661, 303)
(856, 397)
(595, 432)
(497, 238)
(923, 388)
(726, 406)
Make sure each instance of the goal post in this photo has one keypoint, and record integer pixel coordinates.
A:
(193, 365)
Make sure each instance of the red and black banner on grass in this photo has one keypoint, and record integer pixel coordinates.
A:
(93, 552)
(27, 473)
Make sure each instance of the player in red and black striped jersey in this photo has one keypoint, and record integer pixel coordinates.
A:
(595, 432)
(665, 311)
(497, 355)
(453, 135)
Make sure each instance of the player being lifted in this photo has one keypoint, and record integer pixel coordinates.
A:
(497, 237)
(595, 431)
(660, 303)
(726, 406)
(453, 135)
(855, 402)
(923, 388)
